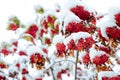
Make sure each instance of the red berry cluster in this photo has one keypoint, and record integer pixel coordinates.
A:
(45, 50)
(81, 12)
(61, 48)
(111, 78)
(50, 19)
(55, 30)
(74, 27)
(81, 44)
(13, 26)
(3, 65)
(113, 32)
(38, 60)
(35, 57)
(48, 22)
(24, 71)
(59, 74)
(42, 32)
(117, 19)
(89, 42)
(38, 79)
(23, 78)
(47, 41)
(98, 60)
(32, 30)
(71, 45)
(22, 53)
(2, 77)
(105, 49)
(5, 52)
(86, 58)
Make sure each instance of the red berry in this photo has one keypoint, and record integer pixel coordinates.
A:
(13, 26)
(81, 12)
(22, 53)
(61, 48)
(45, 50)
(117, 19)
(105, 78)
(71, 45)
(86, 58)
(23, 78)
(38, 79)
(5, 51)
(24, 71)
(18, 65)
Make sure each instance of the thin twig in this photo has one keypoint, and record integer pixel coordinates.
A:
(76, 65)
(52, 73)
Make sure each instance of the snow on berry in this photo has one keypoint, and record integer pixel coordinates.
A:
(98, 57)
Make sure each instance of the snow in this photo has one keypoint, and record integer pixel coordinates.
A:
(23, 44)
(118, 53)
(104, 25)
(51, 50)
(71, 3)
(22, 59)
(76, 36)
(94, 53)
(10, 59)
(113, 11)
(66, 77)
(6, 33)
(58, 39)
(34, 49)
(70, 17)
(47, 78)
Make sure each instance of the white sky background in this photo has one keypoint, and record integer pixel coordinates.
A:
(24, 10)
